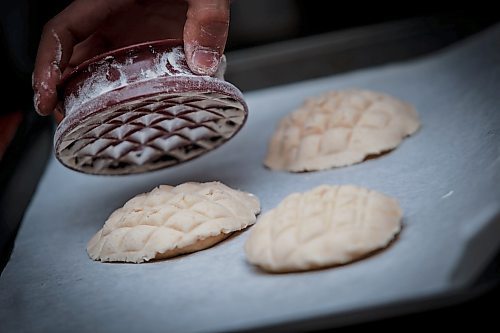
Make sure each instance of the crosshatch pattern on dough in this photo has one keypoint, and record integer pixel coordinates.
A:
(169, 221)
(340, 128)
(328, 225)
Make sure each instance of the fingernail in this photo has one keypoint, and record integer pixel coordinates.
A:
(205, 61)
(36, 102)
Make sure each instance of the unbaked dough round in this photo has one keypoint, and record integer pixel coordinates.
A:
(340, 128)
(169, 221)
(326, 226)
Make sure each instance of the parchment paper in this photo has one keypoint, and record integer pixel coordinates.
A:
(446, 178)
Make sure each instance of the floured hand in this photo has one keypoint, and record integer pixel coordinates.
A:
(89, 27)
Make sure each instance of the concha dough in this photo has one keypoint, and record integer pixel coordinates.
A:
(340, 128)
(326, 226)
(169, 221)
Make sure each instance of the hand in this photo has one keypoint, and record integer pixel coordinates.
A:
(90, 27)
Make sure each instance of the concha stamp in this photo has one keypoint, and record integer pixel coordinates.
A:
(140, 108)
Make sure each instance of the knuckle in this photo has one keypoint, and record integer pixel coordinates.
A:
(209, 16)
(52, 23)
(51, 26)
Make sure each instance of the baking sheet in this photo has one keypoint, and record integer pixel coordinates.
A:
(446, 178)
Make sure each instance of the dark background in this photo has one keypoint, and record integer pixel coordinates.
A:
(253, 23)
(352, 36)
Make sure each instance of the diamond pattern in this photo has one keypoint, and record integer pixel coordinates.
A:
(171, 218)
(151, 133)
(326, 226)
(339, 128)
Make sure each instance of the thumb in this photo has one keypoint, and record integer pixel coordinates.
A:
(205, 34)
